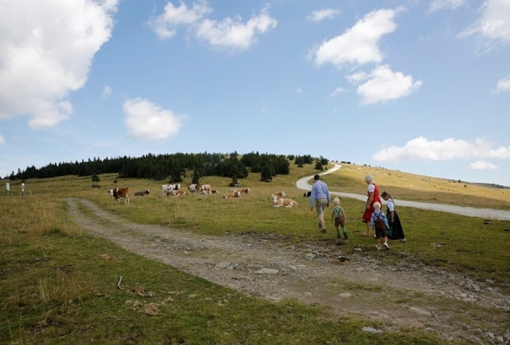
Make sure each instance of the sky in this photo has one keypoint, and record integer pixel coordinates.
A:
(411, 85)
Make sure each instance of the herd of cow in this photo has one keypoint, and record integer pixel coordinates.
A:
(175, 190)
(279, 199)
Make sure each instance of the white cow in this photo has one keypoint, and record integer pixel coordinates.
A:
(205, 189)
(194, 188)
(236, 194)
(283, 202)
(169, 188)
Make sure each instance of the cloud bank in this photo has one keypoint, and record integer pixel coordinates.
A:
(449, 149)
(493, 27)
(47, 49)
(147, 121)
(230, 33)
(322, 14)
(359, 44)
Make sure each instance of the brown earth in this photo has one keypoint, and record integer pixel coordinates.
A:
(406, 294)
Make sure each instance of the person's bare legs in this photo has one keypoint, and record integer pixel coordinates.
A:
(368, 229)
(321, 221)
(386, 243)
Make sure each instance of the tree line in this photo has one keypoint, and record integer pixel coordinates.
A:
(173, 167)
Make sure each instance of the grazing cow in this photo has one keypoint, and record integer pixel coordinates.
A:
(307, 194)
(242, 191)
(194, 187)
(279, 194)
(122, 192)
(283, 202)
(176, 193)
(169, 187)
(205, 189)
(235, 194)
(142, 193)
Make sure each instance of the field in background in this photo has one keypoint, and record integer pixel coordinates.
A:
(421, 188)
(57, 285)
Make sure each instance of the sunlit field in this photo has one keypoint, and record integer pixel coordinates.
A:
(57, 288)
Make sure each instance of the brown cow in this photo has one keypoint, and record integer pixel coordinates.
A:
(279, 195)
(194, 188)
(236, 194)
(283, 202)
(176, 193)
(205, 189)
(122, 192)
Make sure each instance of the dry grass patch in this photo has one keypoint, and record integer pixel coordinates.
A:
(350, 179)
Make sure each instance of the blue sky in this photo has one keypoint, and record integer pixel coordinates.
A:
(412, 85)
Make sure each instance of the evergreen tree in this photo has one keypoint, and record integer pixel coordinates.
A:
(267, 173)
(95, 180)
(299, 161)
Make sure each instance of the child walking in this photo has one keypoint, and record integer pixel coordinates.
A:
(338, 216)
(396, 232)
(379, 222)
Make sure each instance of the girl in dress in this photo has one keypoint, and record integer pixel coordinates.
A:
(372, 197)
(395, 232)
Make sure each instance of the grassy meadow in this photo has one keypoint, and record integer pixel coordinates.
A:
(59, 284)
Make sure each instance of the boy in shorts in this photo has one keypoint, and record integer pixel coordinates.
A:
(379, 222)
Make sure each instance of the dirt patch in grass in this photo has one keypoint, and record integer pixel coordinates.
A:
(353, 282)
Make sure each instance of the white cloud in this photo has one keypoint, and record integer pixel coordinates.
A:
(503, 85)
(324, 13)
(482, 165)
(2, 140)
(493, 27)
(230, 33)
(147, 121)
(299, 90)
(359, 44)
(233, 33)
(337, 91)
(47, 49)
(437, 5)
(165, 25)
(384, 85)
(107, 91)
(424, 149)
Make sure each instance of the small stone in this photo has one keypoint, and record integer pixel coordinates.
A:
(310, 256)
(420, 311)
(371, 330)
(345, 294)
(267, 271)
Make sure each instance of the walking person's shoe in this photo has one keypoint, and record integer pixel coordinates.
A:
(403, 240)
(345, 236)
(323, 231)
(378, 247)
(386, 246)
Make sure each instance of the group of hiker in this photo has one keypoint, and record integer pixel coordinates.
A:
(386, 225)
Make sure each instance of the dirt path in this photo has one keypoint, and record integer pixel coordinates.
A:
(402, 295)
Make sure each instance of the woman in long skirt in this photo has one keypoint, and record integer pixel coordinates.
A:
(395, 232)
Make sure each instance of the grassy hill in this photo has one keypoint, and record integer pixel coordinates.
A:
(58, 289)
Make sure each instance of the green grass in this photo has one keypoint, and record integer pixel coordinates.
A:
(59, 285)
